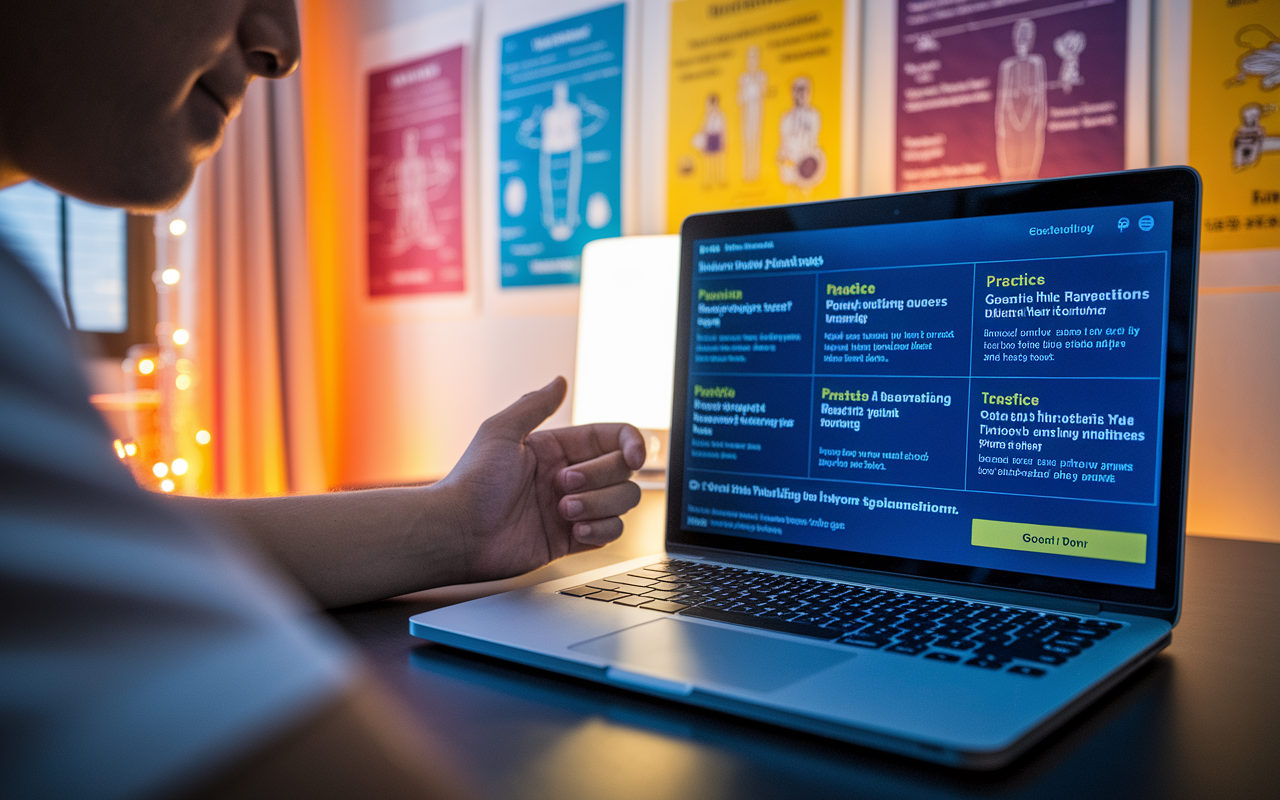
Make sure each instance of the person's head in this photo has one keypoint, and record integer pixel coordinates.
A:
(409, 142)
(1024, 35)
(753, 58)
(117, 101)
(713, 100)
(801, 89)
(560, 92)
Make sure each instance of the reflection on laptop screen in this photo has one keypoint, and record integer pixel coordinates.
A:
(984, 391)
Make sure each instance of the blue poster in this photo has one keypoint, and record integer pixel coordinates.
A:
(559, 145)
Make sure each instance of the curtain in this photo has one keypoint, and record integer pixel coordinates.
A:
(254, 302)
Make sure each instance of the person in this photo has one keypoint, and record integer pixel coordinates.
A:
(710, 140)
(145, 650)
(801, 162)
(752, 86)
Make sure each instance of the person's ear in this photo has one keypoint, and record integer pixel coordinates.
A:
(269, 38)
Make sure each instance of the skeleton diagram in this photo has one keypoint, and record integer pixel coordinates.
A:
(801, 162)
(710, 141)
(1261, 60)
(560, 155)
(751, 89)
(409, 184)
(1022, 107)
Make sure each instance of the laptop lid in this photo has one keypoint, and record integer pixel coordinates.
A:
(987, 385)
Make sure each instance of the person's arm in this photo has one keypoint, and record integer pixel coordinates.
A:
(515, 501)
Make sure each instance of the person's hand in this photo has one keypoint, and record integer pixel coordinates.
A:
(522, 499)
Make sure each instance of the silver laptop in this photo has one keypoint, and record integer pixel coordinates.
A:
(927, 482)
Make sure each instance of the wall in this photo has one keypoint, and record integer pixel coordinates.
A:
(403, 397)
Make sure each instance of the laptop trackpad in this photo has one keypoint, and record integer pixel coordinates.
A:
(688, 652)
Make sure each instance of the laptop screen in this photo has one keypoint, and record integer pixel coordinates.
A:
(986, 391)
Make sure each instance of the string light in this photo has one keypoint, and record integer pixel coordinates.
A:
(203, 437)
(177, 227)
(130, 449)
(167, 485)
(170, 276)
(181, 336)
(179, 466)
(119, 448)
(146, 366)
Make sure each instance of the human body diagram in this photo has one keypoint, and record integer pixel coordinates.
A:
(556, 132)
(1022, 107)
(410, 184)
(710, 141)
(801, 161)
(752, 85)
(1261, 60)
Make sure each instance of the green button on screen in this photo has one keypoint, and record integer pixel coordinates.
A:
(1082, 542)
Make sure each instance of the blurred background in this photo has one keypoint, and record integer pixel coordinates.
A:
(436, 214)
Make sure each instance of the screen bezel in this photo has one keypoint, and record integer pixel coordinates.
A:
(1181, 185)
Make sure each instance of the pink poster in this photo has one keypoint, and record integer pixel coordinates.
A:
(415, 177)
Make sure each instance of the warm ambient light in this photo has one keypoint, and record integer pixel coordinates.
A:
(119, 448)
(170, 276)
(160, 469)
(166, 485)
(146, 366)
(181, 336)
(179, 466)
(203, 437)
(177, 227)
(130, 449)
(182, 382)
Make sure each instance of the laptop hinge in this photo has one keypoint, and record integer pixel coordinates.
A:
(907, 583)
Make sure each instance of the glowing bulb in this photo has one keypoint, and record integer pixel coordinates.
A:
(146, 366)
(166, 485)
(182, 382)
(203, 437)
(170, 276)
(130, 449)
(179, 466)
(160, 469)
(181, 336)
(177, 227)
(119, 447)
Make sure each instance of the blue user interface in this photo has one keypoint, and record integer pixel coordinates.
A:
(983, 391)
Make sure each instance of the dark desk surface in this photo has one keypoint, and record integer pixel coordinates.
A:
(1203, 720)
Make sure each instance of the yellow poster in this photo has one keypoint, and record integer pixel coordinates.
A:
(1234, 102)
(754, 104)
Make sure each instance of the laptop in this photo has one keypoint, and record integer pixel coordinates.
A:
(928, 465)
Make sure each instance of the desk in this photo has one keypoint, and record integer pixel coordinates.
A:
(1202, 720)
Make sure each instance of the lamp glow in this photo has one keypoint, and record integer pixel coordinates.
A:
(181, 336)
(177, 227)
(160, 469)
(203, 437)
(170, 276)
(180, 466)
(183, 382)
(167, 485)
(119, 445)
(130, 449)
(146, 366)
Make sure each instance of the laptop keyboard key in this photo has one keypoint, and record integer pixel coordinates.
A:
(665, 606)
(633, 600)
(948, 657)
(631, 581)
(579, 591)
(907, 648)
(1034, 672)
(606, 596)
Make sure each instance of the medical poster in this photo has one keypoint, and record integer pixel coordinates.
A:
(1234, 135)
(754, 104)
(559, 145)
(1009, 92)
(415, 176)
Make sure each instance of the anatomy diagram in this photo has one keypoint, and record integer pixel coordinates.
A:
(556, 132)
(410, 184)
(1261, 60)
(801, 162)
(752, 85)
(710, 141)
(1022, 107)
(1069, 46)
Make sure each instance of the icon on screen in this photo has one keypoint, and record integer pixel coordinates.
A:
(1147, 223)
(1122, 223)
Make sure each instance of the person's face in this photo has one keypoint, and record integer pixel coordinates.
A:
(117, 101)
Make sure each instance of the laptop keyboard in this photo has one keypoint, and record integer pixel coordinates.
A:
(979, 635)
